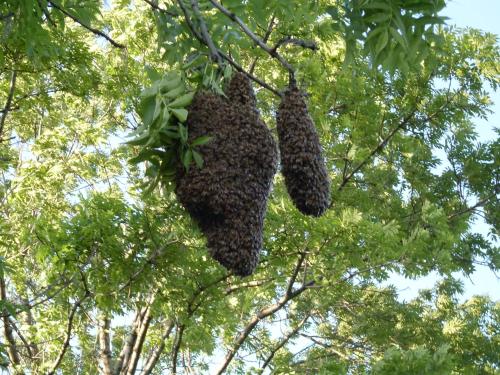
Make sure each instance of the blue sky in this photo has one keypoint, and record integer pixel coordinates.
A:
(483, 15)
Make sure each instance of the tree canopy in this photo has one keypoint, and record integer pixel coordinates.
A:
(103, 271)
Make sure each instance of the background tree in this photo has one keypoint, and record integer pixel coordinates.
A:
(97, 277)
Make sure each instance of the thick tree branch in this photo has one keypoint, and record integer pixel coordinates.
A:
(8, 103)
(155, 355)
(105, 345)
(89, 28)
(139, 342)
(177, 345)
(129, 343)
(307, 44)
(284, 341)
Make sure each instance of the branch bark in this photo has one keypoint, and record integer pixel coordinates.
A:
(155, 355)
(8, 103)
(7, 329)
(223, 55)
(141, 336)
(69, 332)
(214, 53)
(264, 313)
(284, 341)
(105, 345)
(272, 52)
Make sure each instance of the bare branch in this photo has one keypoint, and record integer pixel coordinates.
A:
(105, 345)
(284, 341)
(177, 345)
(127, 347)
(139, 342)
(155, 355)
(89, 28)
(264, 313)
(69, 332)
(466, 210)
(8, 104)
(7, 328)
(267, 35)
(307, 44)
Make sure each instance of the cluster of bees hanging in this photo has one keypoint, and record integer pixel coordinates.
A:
(228, 196)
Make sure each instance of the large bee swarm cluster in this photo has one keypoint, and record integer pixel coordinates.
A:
(302, 163)
(228, 196)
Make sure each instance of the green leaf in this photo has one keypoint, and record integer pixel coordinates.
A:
(142, 140)
(180, 113)
(201, 140)
(382, 41)
(198, 159)
(182, 101)
(187, 158)
(183, 132)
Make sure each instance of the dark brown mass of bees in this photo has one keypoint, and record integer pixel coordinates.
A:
(228, 196)
(303, 167)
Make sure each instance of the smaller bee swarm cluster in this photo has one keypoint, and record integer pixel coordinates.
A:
(228, 196)
(302, 163)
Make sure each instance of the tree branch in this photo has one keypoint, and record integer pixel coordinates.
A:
(89, 28)
(155, 355)
(105, 345)
(8, 103)
(156, 7)
(177, 345)
(223, 55)
(273, 53)
(139, 342)
(284, 341)
(124, 356)
(214, 53)
(480, 203)
(267, 35)
(69, 331)
(377, 149)
(7, 328)
(264, 313)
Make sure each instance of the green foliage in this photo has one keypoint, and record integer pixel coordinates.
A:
(86, 259)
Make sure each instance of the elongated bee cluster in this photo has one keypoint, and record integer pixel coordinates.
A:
(302, 163)
(228, 196)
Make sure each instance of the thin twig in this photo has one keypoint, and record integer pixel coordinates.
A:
(159, 9)
(480, 203)
(89, 28)
(284, 341)
(267, 35)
